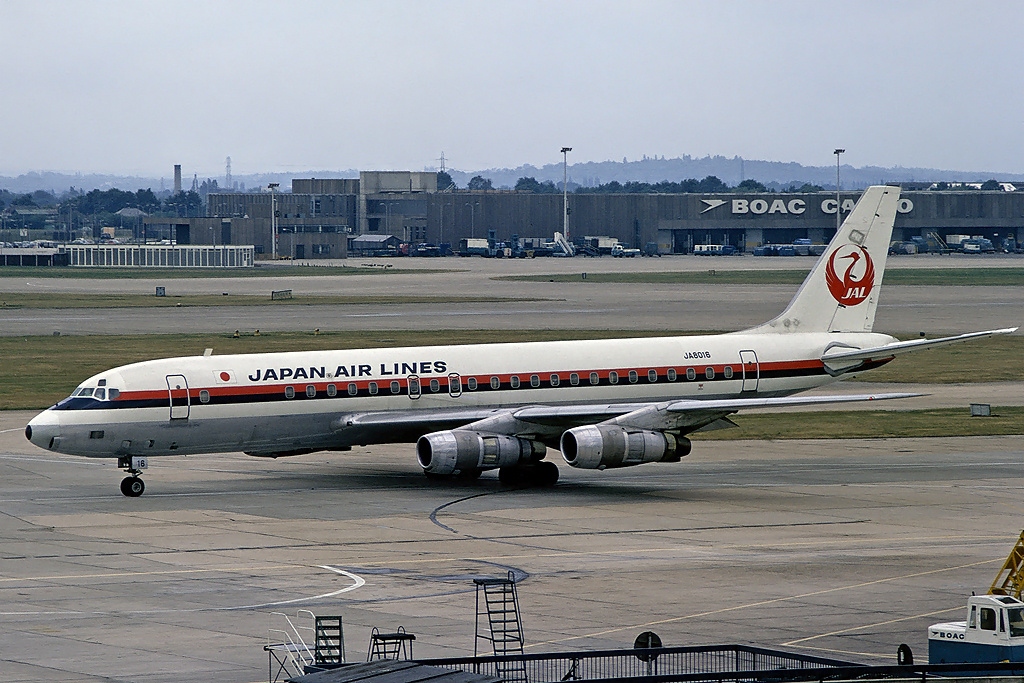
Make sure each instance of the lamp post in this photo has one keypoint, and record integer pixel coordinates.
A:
(273, 218)
(565, 192)
(839, 205)
(472, 218)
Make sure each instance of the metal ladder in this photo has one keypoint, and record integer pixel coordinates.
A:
(1010, 579)
(397, 645)
(499, 601)
(329, 645)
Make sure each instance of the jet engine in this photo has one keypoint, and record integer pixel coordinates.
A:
(462, 450)
(603, 446)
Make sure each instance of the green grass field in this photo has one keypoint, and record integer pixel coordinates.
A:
(994, 277)
(68, 300)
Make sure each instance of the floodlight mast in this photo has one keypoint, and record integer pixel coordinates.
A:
(565, 192)
(273, 219)
(839, 204)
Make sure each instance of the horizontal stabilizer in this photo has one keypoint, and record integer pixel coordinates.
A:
(839, 357)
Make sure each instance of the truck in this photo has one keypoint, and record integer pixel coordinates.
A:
(993, 631)
(622, 251)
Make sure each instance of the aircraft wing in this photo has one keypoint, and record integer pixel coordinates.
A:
(838, 358)
(685, 416)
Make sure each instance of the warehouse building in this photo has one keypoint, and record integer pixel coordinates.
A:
(320, 217)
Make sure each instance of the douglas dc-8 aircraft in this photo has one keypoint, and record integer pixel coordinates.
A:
(603, 403)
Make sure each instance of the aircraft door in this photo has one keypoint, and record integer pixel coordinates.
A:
(751, 370)
(177, 391)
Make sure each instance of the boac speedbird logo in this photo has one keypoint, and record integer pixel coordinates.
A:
(858, 278)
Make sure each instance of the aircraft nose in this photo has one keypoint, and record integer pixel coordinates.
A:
(44, 430)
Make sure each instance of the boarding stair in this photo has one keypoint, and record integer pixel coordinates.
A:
(294, 643)
(1010, 579)
(498, 601)
(396, 645)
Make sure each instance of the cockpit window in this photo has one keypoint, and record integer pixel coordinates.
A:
(101, 394)
(114, 393)
(86, 391)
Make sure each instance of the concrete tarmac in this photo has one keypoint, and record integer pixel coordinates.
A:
(840, 548)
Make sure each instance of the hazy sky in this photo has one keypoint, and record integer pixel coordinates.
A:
(134, 87)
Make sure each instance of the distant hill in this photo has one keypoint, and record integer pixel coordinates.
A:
(774, 174)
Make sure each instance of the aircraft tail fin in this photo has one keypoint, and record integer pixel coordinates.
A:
(841, 292)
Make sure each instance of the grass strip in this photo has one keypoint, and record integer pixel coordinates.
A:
(875, 424)
(18, 300)
(967, 276)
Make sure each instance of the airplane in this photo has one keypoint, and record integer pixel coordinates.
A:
(604, 404)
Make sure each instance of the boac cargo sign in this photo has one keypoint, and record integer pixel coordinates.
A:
(761, 206)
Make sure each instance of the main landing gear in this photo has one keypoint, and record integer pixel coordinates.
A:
(132, 485)
(542, 475)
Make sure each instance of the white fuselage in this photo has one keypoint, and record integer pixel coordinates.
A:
(285, 403)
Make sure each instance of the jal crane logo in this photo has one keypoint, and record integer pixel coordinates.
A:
(858, 279)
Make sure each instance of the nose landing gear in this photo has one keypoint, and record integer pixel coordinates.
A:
(132, 485)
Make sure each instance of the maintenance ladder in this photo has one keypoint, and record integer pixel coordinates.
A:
(499, 601)
(397, 645)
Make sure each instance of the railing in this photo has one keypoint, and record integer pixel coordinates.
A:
(713, 662)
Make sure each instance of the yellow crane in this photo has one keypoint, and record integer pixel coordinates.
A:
(1010, 579)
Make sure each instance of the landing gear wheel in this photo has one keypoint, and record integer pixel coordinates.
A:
(132, 487)
(545, 474)
(511, 476)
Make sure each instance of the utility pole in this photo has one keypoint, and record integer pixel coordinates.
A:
(565, 192)
(839, 205)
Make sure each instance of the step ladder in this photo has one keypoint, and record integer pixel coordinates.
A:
(329, 646)
(397, 645)
(498, 600)
(1010, 579)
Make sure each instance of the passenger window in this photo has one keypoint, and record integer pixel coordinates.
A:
(534, 381)
(671, 375)
(513, 381)
(204, 396)
(372, 387)
(613, 377)
(289, 392)
(396, 388)
(454, 385)
(691, 374)
(652, 375)
(709, 372)
(114, 393)
(595, 378)
(495, 383)
(574, 379)
(471, 383)
(435, 385)
(352, 389)
(332, 390)
(101, 394)
(555, 380)
(988, 619)
(727, 373)
(633, 377)
(311, 390)
(414, 386)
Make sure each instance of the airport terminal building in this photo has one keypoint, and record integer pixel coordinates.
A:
(319, 218)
